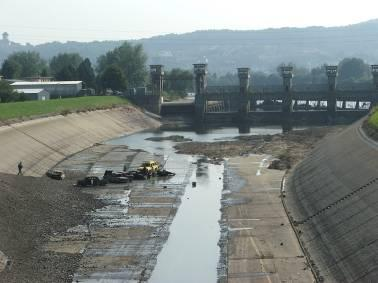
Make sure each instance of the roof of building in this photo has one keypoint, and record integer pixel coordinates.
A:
(30, 91)
(47, 83)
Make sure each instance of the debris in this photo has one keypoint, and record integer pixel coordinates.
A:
(91, 181)
(55, 174)
(164, 173)
(117, 177)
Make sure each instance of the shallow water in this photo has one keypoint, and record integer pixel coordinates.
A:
(191, 253)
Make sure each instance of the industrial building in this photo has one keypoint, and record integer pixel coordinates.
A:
(35, 94)
(58, 89)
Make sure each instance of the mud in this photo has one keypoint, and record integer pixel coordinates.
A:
(288, 148)
(174, 138)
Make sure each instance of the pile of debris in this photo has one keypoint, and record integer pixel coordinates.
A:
(145, 171)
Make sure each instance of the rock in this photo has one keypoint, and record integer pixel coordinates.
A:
(3, 261)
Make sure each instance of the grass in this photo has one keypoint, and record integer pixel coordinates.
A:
(373, 119)
(58, 106)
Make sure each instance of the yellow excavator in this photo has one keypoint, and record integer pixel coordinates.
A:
(149, 168)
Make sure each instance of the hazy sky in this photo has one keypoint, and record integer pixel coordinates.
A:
(37, 21)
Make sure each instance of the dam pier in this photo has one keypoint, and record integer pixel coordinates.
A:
(264, 104)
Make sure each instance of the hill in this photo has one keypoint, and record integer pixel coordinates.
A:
(226, 50)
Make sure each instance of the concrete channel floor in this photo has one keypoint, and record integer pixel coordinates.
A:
(262, 247)
(122, 239)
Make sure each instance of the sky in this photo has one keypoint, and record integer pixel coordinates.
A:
(38, 21)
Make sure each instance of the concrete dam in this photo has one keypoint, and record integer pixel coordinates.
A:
(332, 201)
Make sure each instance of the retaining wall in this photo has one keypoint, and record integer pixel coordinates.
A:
(333, 196)
(42, 143)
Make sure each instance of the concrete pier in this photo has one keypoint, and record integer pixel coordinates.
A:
(331, 102)
(157, 81)
(287, 101)
(200, 73)
(244, 75)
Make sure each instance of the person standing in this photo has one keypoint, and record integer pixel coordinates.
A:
(20, 166)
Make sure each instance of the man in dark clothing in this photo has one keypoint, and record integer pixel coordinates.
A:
(20, 166)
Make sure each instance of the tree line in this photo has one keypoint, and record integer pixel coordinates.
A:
(125, 67)
(350, 70)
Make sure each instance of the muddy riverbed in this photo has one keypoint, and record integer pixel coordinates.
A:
(143, 230)
(288, 148)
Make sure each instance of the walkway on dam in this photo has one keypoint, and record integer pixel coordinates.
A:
(333, 197)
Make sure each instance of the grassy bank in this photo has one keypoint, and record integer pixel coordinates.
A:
(58, 106)
(370, 125)
(373, 119)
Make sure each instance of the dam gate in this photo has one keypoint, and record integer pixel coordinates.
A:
(268, 103)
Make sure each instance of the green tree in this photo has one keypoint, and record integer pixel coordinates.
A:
(86, 74)
(318, 75)
(179, 80)
(45, 72)
(128, 58)
(7, 93)
(67, 73)
(11, 69)
(23, 64)
(113, 78)
(353, 70)
(64, 60)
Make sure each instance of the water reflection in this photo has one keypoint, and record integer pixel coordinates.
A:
(244, 128)
(191, 253)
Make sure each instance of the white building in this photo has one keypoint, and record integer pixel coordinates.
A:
(55, 89)
(35, 94)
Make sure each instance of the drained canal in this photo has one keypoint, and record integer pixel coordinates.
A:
(191, 252)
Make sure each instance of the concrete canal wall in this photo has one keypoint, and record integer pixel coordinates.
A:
(42, 143)
(332, 197)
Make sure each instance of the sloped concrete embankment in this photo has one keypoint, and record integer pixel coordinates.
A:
(332, 196)
(42, 143)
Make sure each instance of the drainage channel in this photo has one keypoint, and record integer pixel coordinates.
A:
(191, 253)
